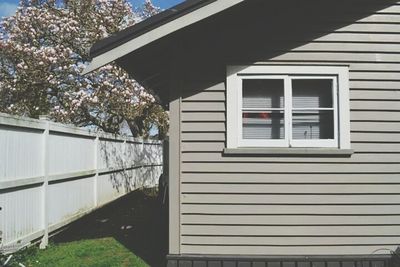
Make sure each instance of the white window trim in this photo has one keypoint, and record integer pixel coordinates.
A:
(234, 103)
(262, 143)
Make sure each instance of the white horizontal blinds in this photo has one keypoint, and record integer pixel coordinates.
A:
(312, 108)
(312, 93)
(263, 125)
(263, 109)
(312, 125)
(263, 94)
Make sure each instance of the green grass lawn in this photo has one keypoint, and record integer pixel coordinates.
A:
(131, 231)
(100, 252)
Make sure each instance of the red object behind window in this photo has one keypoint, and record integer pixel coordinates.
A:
(261, 115)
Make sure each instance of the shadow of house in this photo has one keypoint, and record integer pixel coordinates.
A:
(135, 220)
(131, 164)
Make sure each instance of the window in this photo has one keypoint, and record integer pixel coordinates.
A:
(288, 106)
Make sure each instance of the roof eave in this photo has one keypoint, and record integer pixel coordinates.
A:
(162, 30)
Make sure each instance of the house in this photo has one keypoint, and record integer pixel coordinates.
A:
(285, 128)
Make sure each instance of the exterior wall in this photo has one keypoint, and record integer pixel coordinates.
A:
(244, 205)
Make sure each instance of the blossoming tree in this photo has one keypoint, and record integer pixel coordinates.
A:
(43, 49)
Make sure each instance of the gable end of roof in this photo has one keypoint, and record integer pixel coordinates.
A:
(147, 25)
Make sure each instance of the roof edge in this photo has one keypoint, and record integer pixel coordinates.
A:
(139, 35)
(146, 25)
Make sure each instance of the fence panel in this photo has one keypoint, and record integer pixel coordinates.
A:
(20, 150)
(21, 214)
(69, 154)
(69, 198)
(52, 174)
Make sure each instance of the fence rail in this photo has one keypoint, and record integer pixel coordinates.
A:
(51, 174)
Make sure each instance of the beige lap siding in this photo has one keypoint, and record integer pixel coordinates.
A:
(301, 205)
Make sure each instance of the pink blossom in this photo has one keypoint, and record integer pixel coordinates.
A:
(46, 48)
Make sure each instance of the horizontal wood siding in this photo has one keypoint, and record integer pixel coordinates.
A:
(300, 205)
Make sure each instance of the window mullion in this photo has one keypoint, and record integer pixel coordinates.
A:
(239, 114)
(288, 110)
(335, 110)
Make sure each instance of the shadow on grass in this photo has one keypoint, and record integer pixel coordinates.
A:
(135, 220)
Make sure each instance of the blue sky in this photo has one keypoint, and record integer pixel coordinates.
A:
(7, 7)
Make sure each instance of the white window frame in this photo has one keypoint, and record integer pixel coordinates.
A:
(341, 106)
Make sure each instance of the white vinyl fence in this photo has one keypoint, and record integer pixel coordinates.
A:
(52, 174)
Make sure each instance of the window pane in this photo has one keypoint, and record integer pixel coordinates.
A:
(313, 125)
(308, 93)
(263, 125)
(263, 94)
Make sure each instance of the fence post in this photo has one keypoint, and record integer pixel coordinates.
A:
(124, 163)
(45, 205)
(96, 168)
